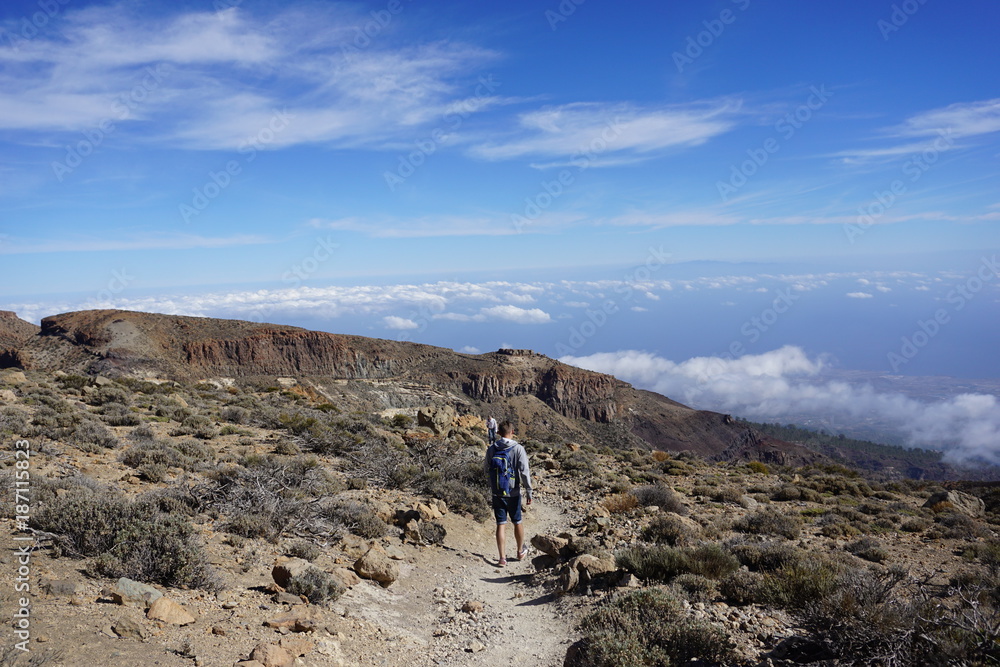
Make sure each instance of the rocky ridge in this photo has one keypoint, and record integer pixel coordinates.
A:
(381, 374)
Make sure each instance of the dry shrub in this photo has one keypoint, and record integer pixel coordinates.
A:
(131, 539)
(647, 627)
(660, 457)
(661, 496)
(667, 529)
(769, 522)
(620, 503)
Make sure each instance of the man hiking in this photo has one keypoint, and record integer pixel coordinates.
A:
(507, 467)
(491, 428)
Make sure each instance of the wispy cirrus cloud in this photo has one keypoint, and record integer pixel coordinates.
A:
(211, 80)
(16, 245)
(936, 130)
(610, 134)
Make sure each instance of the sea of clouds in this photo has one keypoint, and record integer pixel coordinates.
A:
(773, 385)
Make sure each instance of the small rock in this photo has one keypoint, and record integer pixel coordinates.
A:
(296, 646)
(126, 628)
(272, 655)
(288, 598)
(475, 647)
(472, 606)
(216, 630)
(62, 588)
(301, 618)
(168, 611)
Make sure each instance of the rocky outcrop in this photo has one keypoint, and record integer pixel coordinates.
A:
(14, 332)
(541, 393)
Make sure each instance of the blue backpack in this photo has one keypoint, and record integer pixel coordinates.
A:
(502, 469)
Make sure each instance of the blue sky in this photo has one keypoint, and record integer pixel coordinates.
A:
(478, 174)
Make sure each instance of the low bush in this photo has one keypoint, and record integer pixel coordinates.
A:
(647, 627)
(695, 587)
(130, 538)
(357, 517)
(765, 556)
(663, 563)
(667, 529)
(315, 584)
(92, 436)
(769, 522)
(620, 503)
(869, 548)
(661, 496)
(304, 549)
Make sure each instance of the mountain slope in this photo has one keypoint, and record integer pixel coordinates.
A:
(552, 397)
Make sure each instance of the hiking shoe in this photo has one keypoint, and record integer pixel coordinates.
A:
(523, 552)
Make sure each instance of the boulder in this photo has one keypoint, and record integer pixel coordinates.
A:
(548, 544)
(13, 377)
(7, 396)
(593, 565)
(438, 418)
(285, 569)
(377, 566)
(132, 593)
(168, 611)
(272, 655)
(345, 577)
(963, 502)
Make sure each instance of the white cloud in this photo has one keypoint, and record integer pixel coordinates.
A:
(961, 119)
(399, 323)
(469, 349)
(515, 314)
(784, 382)
(860, 295)
(211, 80)
(594, 132)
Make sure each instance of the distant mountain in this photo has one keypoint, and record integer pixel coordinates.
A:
(543, 395)
(883, 461)
(14, 331)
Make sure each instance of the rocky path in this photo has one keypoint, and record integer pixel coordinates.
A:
(453, 606)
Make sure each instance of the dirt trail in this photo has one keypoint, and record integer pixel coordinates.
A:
(519, 624)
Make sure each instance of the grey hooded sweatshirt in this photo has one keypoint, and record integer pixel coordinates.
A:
(522, 480)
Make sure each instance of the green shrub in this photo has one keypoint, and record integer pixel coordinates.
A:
(661, 496)
(655, 563)
(130, 538)
(304, 549)
(92, 436)
(647, 627)
(758, 467)
(769, 522)
(742, 587)
(316, 585)
(798, 585)
(695, 587)
(766, 556)
(667, 529)
(358, 517)
(712, 561)
(869, 548)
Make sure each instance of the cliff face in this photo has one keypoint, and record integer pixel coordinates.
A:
(554, 396)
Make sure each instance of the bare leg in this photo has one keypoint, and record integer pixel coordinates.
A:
(502, 539)
(519, 536)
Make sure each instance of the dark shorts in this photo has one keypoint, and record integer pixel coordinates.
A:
(504, 507)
